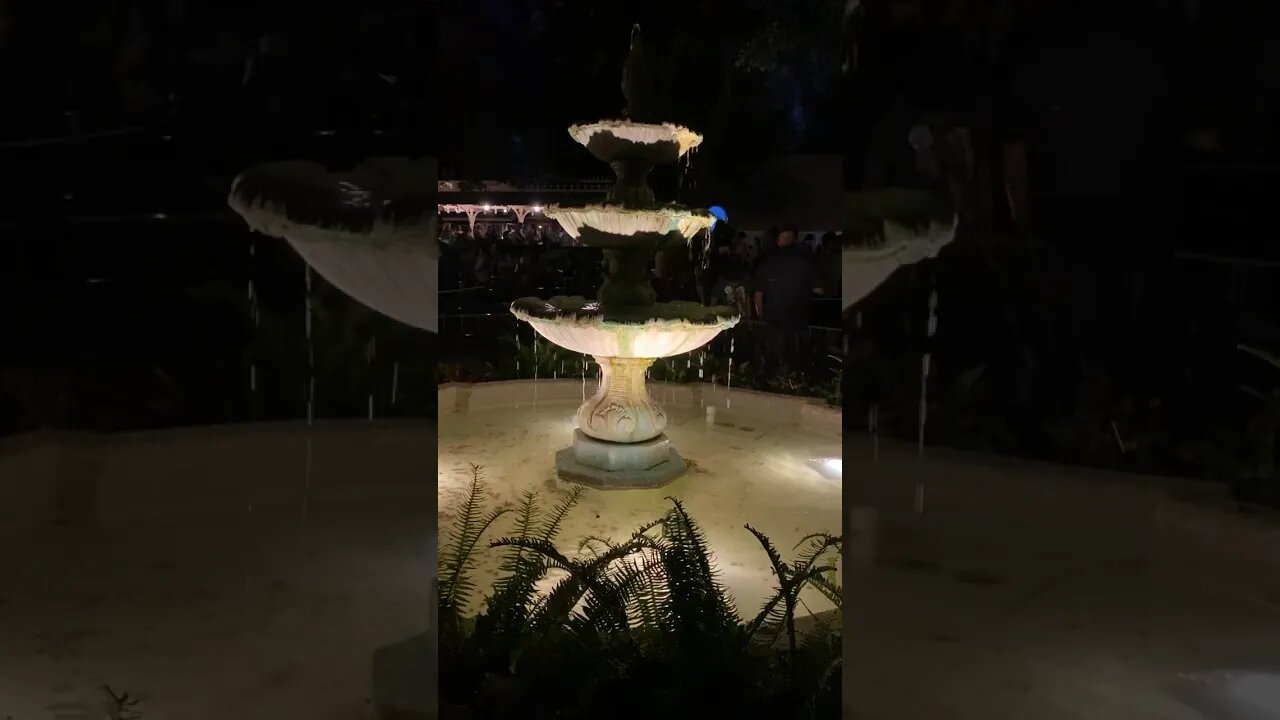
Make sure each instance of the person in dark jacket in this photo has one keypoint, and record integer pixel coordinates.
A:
(785, 281)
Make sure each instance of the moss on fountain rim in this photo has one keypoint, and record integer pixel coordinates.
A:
(614, 224)
(588, 311)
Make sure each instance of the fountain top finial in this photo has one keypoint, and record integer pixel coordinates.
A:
(638, 84)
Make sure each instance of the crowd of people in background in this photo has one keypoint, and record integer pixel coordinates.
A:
(776, 281)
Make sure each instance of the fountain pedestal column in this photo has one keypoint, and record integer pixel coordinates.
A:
(619, 442)
(621, 410)
(626, 280)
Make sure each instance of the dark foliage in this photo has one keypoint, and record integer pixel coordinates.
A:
(639, 628)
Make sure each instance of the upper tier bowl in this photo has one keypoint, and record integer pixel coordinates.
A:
(659, 144)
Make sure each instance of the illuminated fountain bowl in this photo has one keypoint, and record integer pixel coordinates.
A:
(370, 232)
(619, 439)
(577, 324)
(657, 143)
(768, 459)
(609, 225)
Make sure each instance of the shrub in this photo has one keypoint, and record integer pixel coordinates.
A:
(639, 628)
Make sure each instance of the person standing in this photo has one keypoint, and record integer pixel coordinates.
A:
(785, 280)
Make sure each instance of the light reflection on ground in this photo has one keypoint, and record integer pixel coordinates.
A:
(212, 576)
(1026, 590)
(745, 470)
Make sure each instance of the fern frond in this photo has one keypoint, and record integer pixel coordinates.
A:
(591, 545)
(526, 522)
(558, 604)
(551, 525)
(780, 569)
(688, 531)
(697, 603)
(830, 589)
(458, 561)
(543, 548)
(772, 615)
(809, 573)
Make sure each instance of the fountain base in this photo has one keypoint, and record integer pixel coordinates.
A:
(609, 465)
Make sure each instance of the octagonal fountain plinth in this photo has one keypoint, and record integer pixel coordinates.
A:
(619, 441)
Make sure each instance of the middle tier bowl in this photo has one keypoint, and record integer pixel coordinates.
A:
(654, 331)
(612, 226)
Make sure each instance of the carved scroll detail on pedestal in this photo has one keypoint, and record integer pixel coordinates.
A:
(621, 409)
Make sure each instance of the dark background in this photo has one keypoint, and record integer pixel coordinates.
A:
(123, 273)
(756, 77)
(1147, 255)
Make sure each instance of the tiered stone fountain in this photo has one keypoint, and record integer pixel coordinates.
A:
(619, 441)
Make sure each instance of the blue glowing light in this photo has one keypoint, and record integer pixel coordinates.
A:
(719, 214)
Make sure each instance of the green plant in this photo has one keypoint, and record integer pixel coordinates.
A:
(457, 559)
(638, 628)
(121, 707)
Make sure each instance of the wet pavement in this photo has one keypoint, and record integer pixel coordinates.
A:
(997, 588)
(212, 575)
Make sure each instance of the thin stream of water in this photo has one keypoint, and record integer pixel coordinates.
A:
(395, 380)
(311, 397)
(728, 397)
(371, 355)
(311, 360)
(253, 367)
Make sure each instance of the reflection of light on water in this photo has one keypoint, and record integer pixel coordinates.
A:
(777, 475)
(1240, 695)
(1256, 690)
(831, 468)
